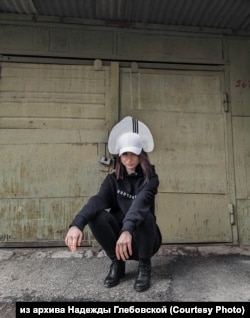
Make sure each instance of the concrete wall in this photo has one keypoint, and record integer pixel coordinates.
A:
(239, 53)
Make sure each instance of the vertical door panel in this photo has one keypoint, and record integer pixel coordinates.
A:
(184, 112)
(53, 132)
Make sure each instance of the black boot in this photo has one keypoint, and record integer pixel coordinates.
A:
(116, 271)
(142, 281)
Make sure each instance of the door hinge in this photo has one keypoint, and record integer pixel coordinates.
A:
(226, 102)
(231, 213)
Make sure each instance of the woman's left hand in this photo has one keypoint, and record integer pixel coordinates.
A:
(123, 248)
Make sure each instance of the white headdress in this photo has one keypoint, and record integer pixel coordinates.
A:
(130, 135)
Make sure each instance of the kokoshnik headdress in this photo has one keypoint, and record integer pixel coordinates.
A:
(130, 135)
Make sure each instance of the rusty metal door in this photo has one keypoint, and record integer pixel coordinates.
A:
(185, 111)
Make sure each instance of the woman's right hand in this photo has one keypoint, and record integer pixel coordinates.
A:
(123, 248)
(73, 238)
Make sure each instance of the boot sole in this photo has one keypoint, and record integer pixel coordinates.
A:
(112, 285)
(115, 283)
(141, 289)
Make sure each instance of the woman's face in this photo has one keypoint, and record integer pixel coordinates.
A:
(130, 161)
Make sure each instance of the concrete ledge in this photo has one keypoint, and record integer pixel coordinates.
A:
(203, 250)
(87, 252)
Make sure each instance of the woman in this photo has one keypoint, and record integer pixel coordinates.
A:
(121, 215)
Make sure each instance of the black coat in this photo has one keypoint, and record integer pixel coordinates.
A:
(131, 198)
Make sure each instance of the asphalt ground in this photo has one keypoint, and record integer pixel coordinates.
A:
(179, 274)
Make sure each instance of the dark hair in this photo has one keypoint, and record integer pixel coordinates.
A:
(144, 162)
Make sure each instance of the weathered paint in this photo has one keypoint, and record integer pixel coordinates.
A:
(39, 219)
(243, 220)
(50, 162)
(55, 104)
(240, 101)
(193, 218)
(186, 117)
(78, 41)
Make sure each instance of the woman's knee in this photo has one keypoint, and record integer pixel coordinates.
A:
(99, 219)
(104, 220)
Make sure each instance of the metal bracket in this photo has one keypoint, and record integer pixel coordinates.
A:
(134, 67)
(226, 102)
(98, 65)
(231, 213)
